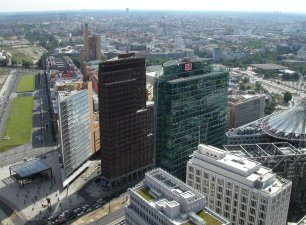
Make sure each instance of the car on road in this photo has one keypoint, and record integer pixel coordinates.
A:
(71, 216)
(81, 214)
(52, 218)
(88, 210)
(85, 207)
(77, 211)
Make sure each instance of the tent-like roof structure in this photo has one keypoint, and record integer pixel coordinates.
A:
(29, 168)
(289, 124)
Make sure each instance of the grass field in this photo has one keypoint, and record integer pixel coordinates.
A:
(19, 124)
(31, 54)
(26, 83)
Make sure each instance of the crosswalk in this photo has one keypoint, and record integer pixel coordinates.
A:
(11, 218)
(8, 180)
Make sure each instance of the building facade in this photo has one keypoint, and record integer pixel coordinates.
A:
(75, 113)
(126, 120)
(239, 189)
(286, 161)
(164, 200)
(243, 109)
(92, 45)
(190, 103)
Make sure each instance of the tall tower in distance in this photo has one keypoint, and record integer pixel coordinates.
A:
(191, 108)
(126, 121)
(92, 45)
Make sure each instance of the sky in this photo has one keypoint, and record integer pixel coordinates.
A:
(216, 5)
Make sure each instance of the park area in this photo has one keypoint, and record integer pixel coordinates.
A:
(26, 83)
(27, 53)
(19, 126)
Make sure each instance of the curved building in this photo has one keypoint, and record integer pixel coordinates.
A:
(288, 125)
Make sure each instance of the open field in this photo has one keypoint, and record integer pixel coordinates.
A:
(19, 125)
(31, 54)
(26, 83)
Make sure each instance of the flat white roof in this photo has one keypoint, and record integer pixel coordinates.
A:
(240, 169)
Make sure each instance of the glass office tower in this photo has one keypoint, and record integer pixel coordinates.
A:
(74, 125)
(191, 107)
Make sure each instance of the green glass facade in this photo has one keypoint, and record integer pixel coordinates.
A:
(191, 109)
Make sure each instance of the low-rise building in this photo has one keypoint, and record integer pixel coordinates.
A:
(243, 109)
(163, 199)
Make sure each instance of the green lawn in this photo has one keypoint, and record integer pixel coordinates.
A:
(145, 194)
(19, 125)
(26, 83)
(210, 220)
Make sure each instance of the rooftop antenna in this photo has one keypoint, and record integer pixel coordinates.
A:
(127, 29)
(127, 42)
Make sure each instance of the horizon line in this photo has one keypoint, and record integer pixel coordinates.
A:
(277, 12)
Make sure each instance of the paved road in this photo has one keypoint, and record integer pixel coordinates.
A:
(106, 220)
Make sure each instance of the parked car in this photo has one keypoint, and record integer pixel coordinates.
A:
(81, 214)
(85, 207)
(78, 210)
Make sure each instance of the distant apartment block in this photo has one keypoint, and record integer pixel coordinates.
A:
(78, 130)
(190, 100)
(239, 189)
(243, 109)
(162, 199)
(126, 121)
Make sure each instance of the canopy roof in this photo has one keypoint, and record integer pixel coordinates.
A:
(289, 124)
(29, 168)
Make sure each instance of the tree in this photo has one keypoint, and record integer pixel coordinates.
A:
(41, 62)
(26, 64)
(246, 80)
(258, 86)
(270, 106)
(242, 87)
(14, 62)
(287, 96)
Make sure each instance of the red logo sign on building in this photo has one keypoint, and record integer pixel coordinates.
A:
(188, 66)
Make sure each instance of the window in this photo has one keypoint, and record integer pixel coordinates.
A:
(205, 175)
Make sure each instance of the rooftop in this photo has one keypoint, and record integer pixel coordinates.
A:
(263, 149)
(289, 124)
(250, 128)
(180, 203)
(29, 167)
(242, 98)
(248, 172)
(269, 66)
(63, 95)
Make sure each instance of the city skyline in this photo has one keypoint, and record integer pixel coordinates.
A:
(195, 5)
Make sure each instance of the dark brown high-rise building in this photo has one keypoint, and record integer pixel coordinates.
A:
(126, 120)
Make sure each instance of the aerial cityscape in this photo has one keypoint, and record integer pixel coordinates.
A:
(145, 113)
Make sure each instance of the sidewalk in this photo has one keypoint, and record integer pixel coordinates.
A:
(31, 201)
